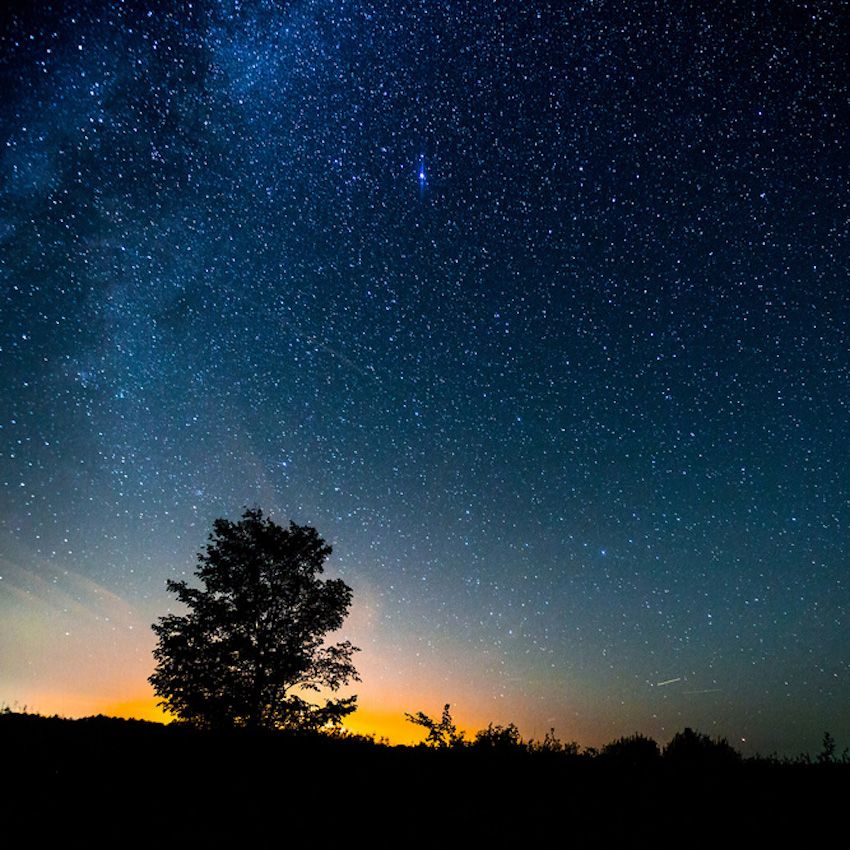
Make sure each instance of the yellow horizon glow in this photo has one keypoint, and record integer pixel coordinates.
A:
(378, 721)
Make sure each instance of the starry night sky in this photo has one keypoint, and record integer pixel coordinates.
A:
(538, 312)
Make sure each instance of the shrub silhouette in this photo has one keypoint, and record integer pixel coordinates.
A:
(695, 750)
(635, 751)
(827, 753)
(500, 738)
(442, 732)
(552, 745)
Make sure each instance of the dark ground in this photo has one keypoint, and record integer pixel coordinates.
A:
(116, 783)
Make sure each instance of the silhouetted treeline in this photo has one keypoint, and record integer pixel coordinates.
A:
(107, 782)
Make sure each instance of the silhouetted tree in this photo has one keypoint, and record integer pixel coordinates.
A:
(251, 646)
(442, 733)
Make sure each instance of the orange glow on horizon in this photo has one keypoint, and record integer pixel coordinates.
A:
(390, 724)
(141, 708)
(367, 720)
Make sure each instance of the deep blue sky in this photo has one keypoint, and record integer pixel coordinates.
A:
(537, 311)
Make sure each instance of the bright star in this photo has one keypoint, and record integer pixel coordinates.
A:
(422, 175)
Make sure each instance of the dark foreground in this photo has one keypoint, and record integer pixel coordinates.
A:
(102, 782)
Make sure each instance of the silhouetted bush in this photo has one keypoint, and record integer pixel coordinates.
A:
(827, 753)
(500, 738)
(633, 751)
(552, 745)
(442, 732)
(695, 750)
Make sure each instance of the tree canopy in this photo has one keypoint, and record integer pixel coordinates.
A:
(251, 647)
